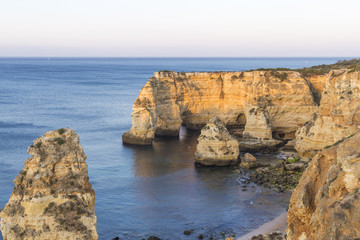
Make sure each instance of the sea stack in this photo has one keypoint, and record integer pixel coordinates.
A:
(326, 202)
(216, 146)
(52, 197)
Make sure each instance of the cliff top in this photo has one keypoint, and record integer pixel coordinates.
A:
(352, 65)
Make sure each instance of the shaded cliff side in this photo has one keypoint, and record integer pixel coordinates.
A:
(52, 197)
(326, 202)
(338, 116)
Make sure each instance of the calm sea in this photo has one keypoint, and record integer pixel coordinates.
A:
(140, 191)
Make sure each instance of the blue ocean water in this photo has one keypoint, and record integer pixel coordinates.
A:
(140, 191)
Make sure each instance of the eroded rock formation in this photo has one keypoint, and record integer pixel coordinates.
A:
(52, 197)
(216, 146)
(249, 161)
(282, 103)
(258, 123)
(338, 116)
(326, 202)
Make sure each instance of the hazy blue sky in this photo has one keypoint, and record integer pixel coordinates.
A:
(180, 28)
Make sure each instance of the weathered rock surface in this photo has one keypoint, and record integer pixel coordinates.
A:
(52, 197)
(254, 145)
(258, 124)
(248, 162)
(275, 177)
(216, 146)
(326, 202)
(338, 116)
(170, 99)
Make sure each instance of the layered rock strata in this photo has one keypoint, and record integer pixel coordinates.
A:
(216, 146)
(258, 100)
(326, 202)
(338, 116)
(52, 197)
(258, 123)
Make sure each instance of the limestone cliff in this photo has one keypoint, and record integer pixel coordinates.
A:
(338, 115)
(258, 124)
(52, 197)
(326, 202)
(169, 99)
(216, 146)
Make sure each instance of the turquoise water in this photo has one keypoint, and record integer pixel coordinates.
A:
(140, 191)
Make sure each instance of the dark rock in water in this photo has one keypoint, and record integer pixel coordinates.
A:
(259, 146)
(200, 236)
(153, 238)
(295, 166)
(249, 161)
(187, 232)
(270, 236)
(275, 177)
(116, 238)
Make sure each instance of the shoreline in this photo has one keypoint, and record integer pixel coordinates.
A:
(277, 224)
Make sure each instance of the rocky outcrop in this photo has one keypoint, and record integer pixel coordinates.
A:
(338, 116)
(326, 202)
(216, 146)
(282, 101)
(52, 197)
(258, 123)
(249, 161)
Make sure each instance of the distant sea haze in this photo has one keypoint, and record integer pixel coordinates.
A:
(140, 191)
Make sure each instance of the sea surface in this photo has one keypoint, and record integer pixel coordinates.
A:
(140, 191)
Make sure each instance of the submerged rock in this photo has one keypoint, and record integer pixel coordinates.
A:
(216, 146)
(52, 197)
(326, 203)
(270, 236)
(248, 162)
(154, 238)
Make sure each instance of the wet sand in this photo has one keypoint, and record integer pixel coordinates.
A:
(278, 224)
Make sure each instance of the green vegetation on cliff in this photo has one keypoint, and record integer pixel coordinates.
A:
(353, 65)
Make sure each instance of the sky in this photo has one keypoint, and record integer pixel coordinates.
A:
(181, 28)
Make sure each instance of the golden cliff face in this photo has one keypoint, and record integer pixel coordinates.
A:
(326, 203)
(170, 99)
(338, 116)
(52, 197)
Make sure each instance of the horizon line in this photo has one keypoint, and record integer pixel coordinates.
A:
(179, 57)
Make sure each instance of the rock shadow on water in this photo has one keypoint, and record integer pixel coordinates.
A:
(166, 155)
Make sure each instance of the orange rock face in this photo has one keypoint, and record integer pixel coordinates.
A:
(170, 99)
(326, 203)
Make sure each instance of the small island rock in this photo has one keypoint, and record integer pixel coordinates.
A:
(216, 146)
(248, 162)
